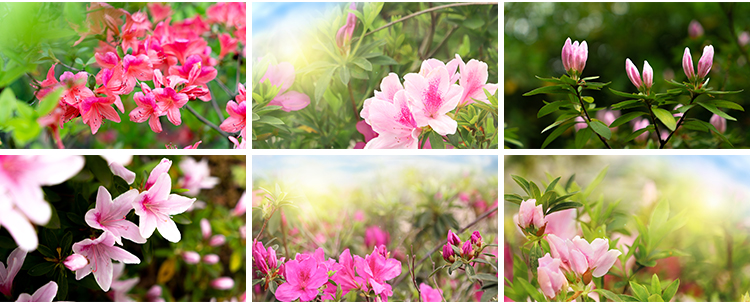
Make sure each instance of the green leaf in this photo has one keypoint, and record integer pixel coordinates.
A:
(473, 23)
(595, 183)
(724, 104)
(181, 219)
(553, 89)
(362, 63)
(489, 293)
(655, 285)
(655, 298)
(671, 290)
(665, 117)
(658, 216)
(552, 185)
(626, 104)
(556, 133)
(514, 198)
(626, 95)
(322, 83)
(563, 206)
(344, 75)
(46, 251)
(608, 294)
(49, 102)
(436, 141)
(486, 277)
(531, 290)
(601, 129)
(627, 298)
(716, 111)
(550, 108)
(693, 125)
(41, 268)
(457, 264)
(637, 133)
(7, 105)
(383, 60)
(639, 290)
(270, 120)
(100, 169)
(521, 182)
(588, 99)
(626, 118)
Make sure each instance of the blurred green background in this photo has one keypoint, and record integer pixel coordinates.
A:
(657, 32)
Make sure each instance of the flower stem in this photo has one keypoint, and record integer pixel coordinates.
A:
(588, 118)
(209, 123)
(682, 119)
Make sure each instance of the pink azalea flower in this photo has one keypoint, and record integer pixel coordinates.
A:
(120, 170)
(217, 240)
(303, 278)
(238, 144)
(393, 121)
(159, 11)
(46, 293)
(344, 34)
(551, 279)
(236, 120)
(530, 214)
(374, 236)
(74, 262)
(183, 48)
(109, 215)
(223, 283)
(76, 91)
(49, 84)
(562, 224)
(474, 81)
(432, 97)
(21, 197)
(196, 177)
(283, 75)
(7, 275)
(100, 253)
(147, 109)
(345, 275)
(154, 294)
(448, 253)
(194, 71)
(579, 256)
(170, 102)
(376, 269)
(94, 109)
(155, 206)
(137, 68)
(227, 44)
(162, 167)
(430, 295)
(241, 206)
(453, 238)
(120, 288)
(452, 67)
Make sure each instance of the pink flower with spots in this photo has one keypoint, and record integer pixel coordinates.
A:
(237, 115)
(376, 269)
(393, 121)
(155, 206)
(169, 102)
(432, 97)
(474, 81)
(430, 295)
(100, 252)
(46, 293)
(147, 109)
(95, 109)
(109, 215)
(7, 275)
(303, 278)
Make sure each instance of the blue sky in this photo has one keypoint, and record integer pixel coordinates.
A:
(270, 15)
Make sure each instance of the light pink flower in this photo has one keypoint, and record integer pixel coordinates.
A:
(530, 214)
(155, 206)
(100, 253)
(574, 57)
(154, 294)
(7, 275)
(109, 215)
(648, 75)
(579, 256)
(344, 34)
(687, 64)
(217, 240)
(283, 75)
(474, 81)
(551, 279)
(223, 283)
(633, 74)
(719, 123)
(641, 124)
(197, 176)
(162, 167)
(304, 277)
(706, 61)
(75, 262)
(393, 121)
(432, 97)
(452, 67)
(374, 236)
(211, 259)
(205, 228)
(744, 38)
(430, 295)
(376, 269)
(21, 197)
(120, 288)
(562, 224)
(120, 170)
(241, 206)
(46, 293)
(191, 257)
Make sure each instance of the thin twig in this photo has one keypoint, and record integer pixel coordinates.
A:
(264, 224)
(412, 271)
(682, 119)
(215, 104)
(427, 11)
(209, 123)
(424, 48)
(224, 87)
(66, 66)
(588, 118)
(447, 35)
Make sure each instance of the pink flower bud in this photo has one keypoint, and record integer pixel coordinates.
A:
(640, 124)
(687, 64)
(719, 123)
(222, 283)
(344, 34)
(75, 262)
(466, 250)
(476, 238)
(582, 54)
(154, 294)
(744, 38)
(191, 257)
(448, 253)
(706, 61)
(580, 124)
(574, 57)
(695, 29)
(530, 214)
(550, 279)
(272, 263)
(211, 259)
(205, 228)
(567, 51)
(648, 75)
(453, 238)
(633, 74)
(217, 240)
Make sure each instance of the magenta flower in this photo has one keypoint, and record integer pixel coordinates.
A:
(21, 197)
(374, 236)
(237, 115)
(432, 97)
(169, 102)
(46, 293)
(75, 262)
(453, 238)
(551, 279)
(345, 275)
(197, 176)
(344, 34)
(719, 123)
(530, 214)
(303, 278)
(191, 257)
(466, 250)
(7, 275)
(100, 253)
(120, 288)
(574, 57)
(283, 75)
(109, 215)
(147, 109)
(223, 283)
(155, 206)
(706, 61)
(376, 269)
(474, 81)
(448, 253)
(476, 238)
(430, 295)
(695, 29)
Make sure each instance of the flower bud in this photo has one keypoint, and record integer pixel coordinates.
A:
(648, 75)
(191, 257)
(154, 294)
(217, 240)
(453, 238)
(222, 283)
(687, 64)
(633, 74)
(567, 50)
(719, 123)
(205, 228)
(574, 57)
(466, 250)
(530, 214)
(695, 29)
(211, 259)
(448, 253)
(744, 38)
(272, 263)
(75, 262)
(706, 61)
(476, 238)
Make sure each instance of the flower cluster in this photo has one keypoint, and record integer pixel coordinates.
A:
(398, 115)
(309, 274)
(574, 57)
(175, 56)
(467, 250)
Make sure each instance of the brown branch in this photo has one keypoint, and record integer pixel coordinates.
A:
(427, 11)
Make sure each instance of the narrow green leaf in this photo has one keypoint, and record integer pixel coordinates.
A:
(582, 137)
(724, 104)
(716, 111)
(665, 117)
(563, 206)
(362, 63)
(626, 118)
(655, 298)
(601, 129)
(671, 290)
(595, 183)
(655, 285)
(626, 95)
(552, 185)
(608, 294)
(322, 83)
(639, 290)
(556, 133)
(553, 89)
(550, 108)
(626, 104)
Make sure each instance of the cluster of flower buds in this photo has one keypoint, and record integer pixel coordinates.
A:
(644, 85)
(574, 57)
(704, 65)
(265, 259)
(468, 250)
